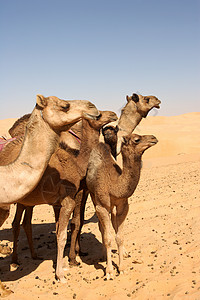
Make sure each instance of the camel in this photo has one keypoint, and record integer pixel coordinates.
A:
(59, 186)
(110, 187)
(50, 116)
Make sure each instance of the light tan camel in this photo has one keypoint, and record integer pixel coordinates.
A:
(50, 116)
(110, 187)
(137, 107)
(59, 186)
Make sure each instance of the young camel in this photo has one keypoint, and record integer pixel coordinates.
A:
(137, 107)
(50, 116)
(110, 187)
(59, 186)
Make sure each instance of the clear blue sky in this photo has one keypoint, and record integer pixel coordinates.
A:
(99, 50)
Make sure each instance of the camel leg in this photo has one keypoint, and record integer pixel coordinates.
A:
(115, 226)
(82, 217)
(16, 229)
(28, 230)
(76, 226)
(68, 205)
(122, 211)
(104, 218)
(56, 214)
(4, 213)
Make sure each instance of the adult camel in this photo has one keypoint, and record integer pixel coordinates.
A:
(50, 116)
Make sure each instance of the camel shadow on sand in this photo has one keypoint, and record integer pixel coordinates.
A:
(44, 238)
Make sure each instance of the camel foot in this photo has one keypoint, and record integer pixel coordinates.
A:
(14, 267)
(74, 262)
(61, 279)
(4, 292)
(109, 276)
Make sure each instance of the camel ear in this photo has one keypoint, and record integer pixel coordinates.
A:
(135, 98)
(41, 101)
(128, 99)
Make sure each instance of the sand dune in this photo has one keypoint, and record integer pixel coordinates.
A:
(161, 233)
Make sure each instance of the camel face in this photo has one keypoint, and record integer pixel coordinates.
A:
(110, 138)
(146, 103)
(135, 143)
(58, 112)
(104, 118)
(110, 134)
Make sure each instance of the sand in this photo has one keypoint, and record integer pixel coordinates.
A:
(161, 234)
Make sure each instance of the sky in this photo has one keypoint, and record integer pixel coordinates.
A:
(100, 50)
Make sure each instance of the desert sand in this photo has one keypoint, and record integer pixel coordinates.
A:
(161, 234)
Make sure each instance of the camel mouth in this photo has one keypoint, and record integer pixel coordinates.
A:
(91, 117)
(153, 142)
(157, 106)
(113, 119)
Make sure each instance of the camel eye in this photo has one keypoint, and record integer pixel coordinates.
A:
(65, 107)
(147, 100)
(137, 140)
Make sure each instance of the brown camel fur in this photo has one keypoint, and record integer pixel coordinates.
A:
(110, 187)
(110, 138)
(50, 116)
(60, 183)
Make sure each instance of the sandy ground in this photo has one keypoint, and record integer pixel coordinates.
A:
(161, 234)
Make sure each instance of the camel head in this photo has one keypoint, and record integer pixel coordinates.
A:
(110, 134)
(59, 114)
(144, 103)
(134, 144)
(103, 119)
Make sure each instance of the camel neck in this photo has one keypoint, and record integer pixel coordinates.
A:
(25, 172)
(90, 138)
(129, 178)
(128, 122)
